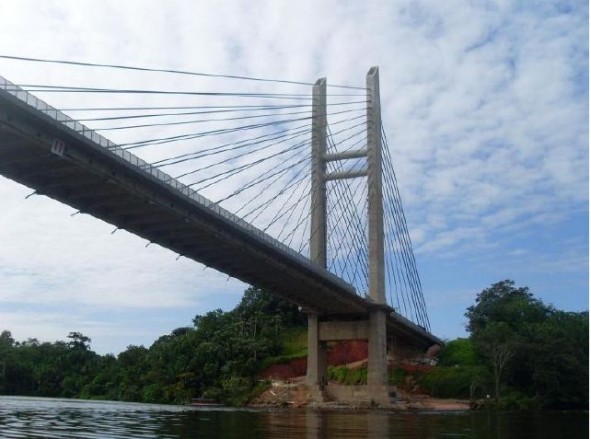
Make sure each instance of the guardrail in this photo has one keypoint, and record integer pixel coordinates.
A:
(64, 121)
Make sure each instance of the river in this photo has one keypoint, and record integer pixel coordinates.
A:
(22, 417)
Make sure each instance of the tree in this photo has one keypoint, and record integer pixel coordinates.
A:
(6, 348)
(271, 306)
(530, 347)
(498, 345)
(503, 302)
(79, 341)
(458, 352)
(561, 373)
(6, 339)
(498, 324)
(220, 356)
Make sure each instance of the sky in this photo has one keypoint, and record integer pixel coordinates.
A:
(486, 109)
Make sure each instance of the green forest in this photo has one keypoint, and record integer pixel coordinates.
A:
(217, 357)
(520, 354)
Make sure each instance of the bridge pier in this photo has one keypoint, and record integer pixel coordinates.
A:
(371, 328)
(377, 357)
(316, 373)
(374, 326)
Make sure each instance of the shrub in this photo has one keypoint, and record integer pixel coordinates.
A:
(346, 376)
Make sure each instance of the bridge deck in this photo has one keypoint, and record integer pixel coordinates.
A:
(44, 149)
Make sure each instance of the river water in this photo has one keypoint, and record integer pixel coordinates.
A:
(60, 418)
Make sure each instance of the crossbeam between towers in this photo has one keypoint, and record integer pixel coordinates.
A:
(373, 327)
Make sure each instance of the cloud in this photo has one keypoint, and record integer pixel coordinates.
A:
(498, 142)
(485, 108)
(58, 258)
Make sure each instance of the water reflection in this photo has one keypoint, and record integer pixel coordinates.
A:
(315, 424)
(56, 418)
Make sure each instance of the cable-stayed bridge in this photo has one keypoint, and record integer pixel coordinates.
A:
(272, 188)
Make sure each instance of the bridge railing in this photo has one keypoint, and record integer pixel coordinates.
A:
(63, 120)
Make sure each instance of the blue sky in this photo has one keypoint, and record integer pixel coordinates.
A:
(486, 109)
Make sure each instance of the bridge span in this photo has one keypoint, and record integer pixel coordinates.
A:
(59, 157)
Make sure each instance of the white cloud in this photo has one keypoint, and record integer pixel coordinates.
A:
(50, 257)
(485, 107)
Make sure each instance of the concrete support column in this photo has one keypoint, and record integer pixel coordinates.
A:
(316, 372)
(318, 174)
(377, 366)
(377, 358)
(374, 189)
(317, 363)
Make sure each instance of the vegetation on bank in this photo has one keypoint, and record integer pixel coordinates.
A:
(521, 354)
(217, 357)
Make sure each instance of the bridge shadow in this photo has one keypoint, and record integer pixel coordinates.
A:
(313, 423)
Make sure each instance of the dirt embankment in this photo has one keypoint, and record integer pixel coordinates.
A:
(428, 403)
(349, 353)
(288, 384)
(294, 394)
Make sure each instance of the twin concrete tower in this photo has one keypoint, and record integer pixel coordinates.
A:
(372, 327)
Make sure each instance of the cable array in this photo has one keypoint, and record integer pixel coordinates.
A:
(159, 70)
(347, 246)
(246, 149)
(249, 151)
(401, 269)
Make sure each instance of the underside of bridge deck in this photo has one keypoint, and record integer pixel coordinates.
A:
(53, 159)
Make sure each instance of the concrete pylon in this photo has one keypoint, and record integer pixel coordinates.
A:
(316, 370)
(377, 366)
(318, 175)
(374, 327)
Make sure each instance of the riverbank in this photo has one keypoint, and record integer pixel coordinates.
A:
(294, 393)
(25, 417)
